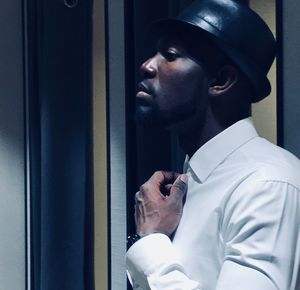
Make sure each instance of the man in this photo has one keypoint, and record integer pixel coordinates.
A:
(237, 227)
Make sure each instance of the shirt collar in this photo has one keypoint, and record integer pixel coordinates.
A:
(212, 153)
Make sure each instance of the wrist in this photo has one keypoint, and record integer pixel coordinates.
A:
(132, 239)
(146, 233)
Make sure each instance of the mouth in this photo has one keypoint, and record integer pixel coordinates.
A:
(144, 95)
(142, 88)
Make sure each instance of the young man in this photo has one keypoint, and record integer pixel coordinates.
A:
(237, 228)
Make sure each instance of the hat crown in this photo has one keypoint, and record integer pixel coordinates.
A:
(240, 27)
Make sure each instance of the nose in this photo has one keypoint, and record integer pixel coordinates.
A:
(148, 68)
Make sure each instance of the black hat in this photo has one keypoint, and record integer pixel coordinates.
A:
(239, 32)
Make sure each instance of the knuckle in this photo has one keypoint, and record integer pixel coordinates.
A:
(158, 174)
(143, 187)
(180, 186)
(138, 197)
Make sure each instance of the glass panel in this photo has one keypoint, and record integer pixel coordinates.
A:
(12, 155)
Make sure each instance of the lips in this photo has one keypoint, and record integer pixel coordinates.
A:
(142, 88)
(144, 95)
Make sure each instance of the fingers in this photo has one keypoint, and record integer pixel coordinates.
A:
(162, 181)
(155, 212)
(163, 177)
(179, 188)
(160, 184)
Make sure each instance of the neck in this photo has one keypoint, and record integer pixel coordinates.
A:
(210, 127)
(218, 116)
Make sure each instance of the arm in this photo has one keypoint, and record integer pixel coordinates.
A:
(261, 236)
(260, 231)
(152, 262)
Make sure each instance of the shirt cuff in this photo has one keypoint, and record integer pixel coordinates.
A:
(151, 254)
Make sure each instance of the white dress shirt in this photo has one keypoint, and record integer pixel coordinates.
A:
(240, 224)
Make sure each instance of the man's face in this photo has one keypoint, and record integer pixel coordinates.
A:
(173, 86)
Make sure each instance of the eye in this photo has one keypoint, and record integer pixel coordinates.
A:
(168, 50)
(171, 55)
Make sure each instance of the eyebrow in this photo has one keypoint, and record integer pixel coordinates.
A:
(165, 42)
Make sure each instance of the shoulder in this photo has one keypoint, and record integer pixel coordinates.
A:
(266, 198)
(270, 163)
(270, 183)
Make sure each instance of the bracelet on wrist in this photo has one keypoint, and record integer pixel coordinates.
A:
(131, 239)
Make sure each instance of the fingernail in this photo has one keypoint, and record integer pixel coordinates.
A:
(184, 178)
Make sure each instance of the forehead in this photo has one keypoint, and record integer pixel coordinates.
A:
(194, 42)
(165, 41)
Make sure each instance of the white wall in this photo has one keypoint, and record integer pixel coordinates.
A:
(12, 181)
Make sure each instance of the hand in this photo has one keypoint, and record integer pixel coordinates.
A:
(158, 204)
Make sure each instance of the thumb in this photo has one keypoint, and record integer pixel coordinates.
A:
(179, 187)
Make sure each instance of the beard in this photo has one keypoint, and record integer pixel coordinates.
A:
(153, 117)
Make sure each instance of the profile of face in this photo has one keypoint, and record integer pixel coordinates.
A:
(173, 87)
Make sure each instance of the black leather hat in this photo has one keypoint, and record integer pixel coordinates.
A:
(238, 31)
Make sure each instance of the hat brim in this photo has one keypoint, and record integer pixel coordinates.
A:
(260, 82)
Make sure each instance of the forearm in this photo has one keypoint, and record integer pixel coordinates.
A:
(153, 263)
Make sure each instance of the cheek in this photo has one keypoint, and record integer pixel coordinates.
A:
(180, 88)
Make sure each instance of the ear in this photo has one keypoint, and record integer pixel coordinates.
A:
(225, 79)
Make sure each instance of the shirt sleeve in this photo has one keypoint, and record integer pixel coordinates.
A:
(152, 263)
(260, 232)
(260, 229)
